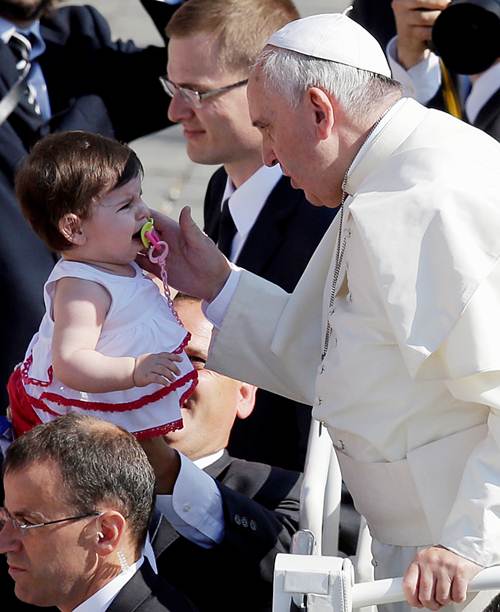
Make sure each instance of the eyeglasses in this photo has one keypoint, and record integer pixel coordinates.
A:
(193, 97)
(22, 528)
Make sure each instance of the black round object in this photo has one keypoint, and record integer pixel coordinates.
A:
(467, 35)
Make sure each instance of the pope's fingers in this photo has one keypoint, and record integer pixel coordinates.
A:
(444, 581)
(188, 227)
(410, 585)
(426, 588)
(459, 588)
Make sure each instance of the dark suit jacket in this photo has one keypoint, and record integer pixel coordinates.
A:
(147, 592)
(488, 118)
(278, 248)
(96, 85)
(261, 505)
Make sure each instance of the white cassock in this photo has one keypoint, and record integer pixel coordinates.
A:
(410, 386)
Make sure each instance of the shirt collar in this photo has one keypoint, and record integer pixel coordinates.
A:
(482, 90)
(7, 28)
(246, 202)
(100, 601)
(204, 462)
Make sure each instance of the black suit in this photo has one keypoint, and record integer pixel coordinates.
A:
(278, 248)
(488, 118)
(96, 85)
(147, 592)
(261, 506)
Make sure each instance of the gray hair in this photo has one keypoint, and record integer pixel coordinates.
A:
(291, 74)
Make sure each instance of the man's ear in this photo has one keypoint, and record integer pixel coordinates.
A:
(246, 401)
(109, 534)
(321, 107)
(70, 227)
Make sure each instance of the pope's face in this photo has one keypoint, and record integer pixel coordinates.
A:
(290, 139)
(220, 130)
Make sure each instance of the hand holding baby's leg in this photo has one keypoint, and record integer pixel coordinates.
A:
(157, 368)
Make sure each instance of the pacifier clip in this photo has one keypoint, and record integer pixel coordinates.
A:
(157, 254)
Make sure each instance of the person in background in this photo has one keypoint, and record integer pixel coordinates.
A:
(79, 493)
(404, 28)
(253, 212)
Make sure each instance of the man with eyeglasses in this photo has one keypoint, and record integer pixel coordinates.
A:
(78, 497)
(252, 212)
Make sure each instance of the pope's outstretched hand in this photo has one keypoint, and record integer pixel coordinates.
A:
(195, 265)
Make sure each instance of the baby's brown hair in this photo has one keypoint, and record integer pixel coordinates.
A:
(66, 173)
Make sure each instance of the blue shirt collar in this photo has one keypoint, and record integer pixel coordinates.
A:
(38, 44)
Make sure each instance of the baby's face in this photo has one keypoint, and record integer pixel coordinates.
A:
(112, 232)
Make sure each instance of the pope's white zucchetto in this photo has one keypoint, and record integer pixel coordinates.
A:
(333, 37)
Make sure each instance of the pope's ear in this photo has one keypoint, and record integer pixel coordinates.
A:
(321, 107)
(70, 227)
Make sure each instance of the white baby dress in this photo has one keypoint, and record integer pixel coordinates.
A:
(139, 321)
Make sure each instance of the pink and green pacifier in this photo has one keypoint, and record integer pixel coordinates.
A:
(157, 249)
(157, 253)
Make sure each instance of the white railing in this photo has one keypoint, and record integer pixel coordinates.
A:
(329, 585)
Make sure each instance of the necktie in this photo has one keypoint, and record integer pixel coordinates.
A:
(21, 49)
(227, 230)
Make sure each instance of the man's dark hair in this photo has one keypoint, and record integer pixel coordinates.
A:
(100, 464)
(66, 173)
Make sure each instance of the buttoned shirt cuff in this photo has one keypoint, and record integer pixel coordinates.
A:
(215, 311)
(421, 81)
(195, 507)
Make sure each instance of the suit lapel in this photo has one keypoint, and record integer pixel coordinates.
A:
(135, 592)
(488, 113)
(269, 229)
(213, 203)
(216, 469)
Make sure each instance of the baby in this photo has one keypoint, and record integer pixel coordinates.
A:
(110, 344)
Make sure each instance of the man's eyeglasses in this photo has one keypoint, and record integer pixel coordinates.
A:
(22, 527)
(193, 97)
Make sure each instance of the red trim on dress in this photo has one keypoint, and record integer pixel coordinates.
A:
(162, 430)
(25, 418)
(122, 407)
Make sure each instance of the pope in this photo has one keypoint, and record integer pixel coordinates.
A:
(393, 332)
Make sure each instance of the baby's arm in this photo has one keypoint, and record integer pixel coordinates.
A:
(80, 308)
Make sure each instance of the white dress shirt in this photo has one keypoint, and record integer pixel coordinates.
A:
(246, 202)
(100, 601)
(483, 88)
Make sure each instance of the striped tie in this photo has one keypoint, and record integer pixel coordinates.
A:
(20, 46)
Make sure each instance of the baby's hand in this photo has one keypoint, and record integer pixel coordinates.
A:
(157, 368)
